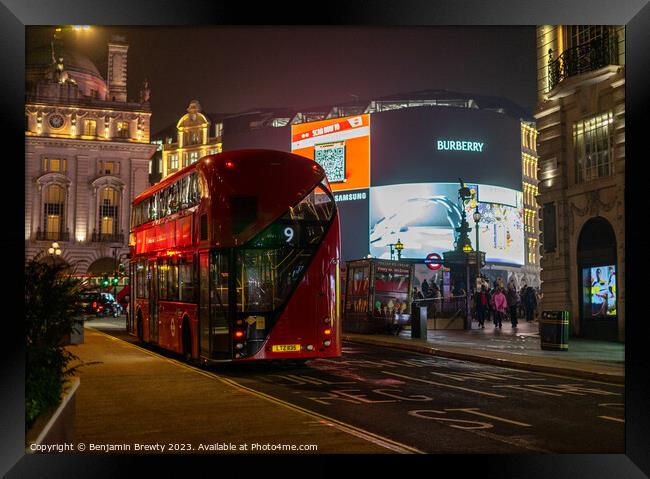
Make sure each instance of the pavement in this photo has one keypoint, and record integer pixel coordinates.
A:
(128, 396)
(516, 348)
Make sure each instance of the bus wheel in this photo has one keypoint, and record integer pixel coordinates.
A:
(187, 341)
(139, 327)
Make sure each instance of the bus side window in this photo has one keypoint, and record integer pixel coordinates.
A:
(186, 280)
(172, 279)
(185, 192)
(162, 278)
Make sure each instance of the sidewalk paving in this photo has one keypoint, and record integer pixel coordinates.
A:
(517, 348)
(133, 397)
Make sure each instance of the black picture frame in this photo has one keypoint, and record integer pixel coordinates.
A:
(635, 14)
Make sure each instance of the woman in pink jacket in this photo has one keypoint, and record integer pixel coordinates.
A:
(500, 305)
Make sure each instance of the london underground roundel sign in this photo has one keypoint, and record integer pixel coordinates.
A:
(429, 261)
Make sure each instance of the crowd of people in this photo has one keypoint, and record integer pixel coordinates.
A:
(501, 303)
(496, 303)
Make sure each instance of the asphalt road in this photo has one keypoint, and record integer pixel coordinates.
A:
(439, 405)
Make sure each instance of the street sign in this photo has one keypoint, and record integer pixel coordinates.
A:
(433, 261)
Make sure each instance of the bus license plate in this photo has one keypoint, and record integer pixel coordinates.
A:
(284, 348)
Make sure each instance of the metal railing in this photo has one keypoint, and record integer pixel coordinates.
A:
(52, 235)
(597, 53)
(107, 238)
(449, 307)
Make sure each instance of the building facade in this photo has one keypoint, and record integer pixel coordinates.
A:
(193, 140)
(581, 146)
(531, 269)
(87, 153)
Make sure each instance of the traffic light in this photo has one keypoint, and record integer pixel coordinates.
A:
(104, 282)
(115, 281)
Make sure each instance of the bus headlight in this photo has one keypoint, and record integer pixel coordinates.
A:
(239, 346)
(327, 342)
(310, 347)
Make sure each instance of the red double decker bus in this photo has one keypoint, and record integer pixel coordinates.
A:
(236, 258)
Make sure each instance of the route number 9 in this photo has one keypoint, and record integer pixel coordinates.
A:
(288, 233)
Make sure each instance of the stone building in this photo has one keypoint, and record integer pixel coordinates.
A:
(581, 146)
(87, 153)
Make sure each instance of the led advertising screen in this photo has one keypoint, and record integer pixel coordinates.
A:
(340, 145)
(599, 291)
(424, 216)
(442, 144)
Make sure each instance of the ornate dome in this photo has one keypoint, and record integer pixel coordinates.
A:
(39, 60)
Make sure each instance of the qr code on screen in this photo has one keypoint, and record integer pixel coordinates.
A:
(332, 159)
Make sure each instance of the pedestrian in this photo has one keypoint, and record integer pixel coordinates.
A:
(417, 294)
(482, 299)
(500, 304)
(530, 303)
(513, 300)
(425, 288)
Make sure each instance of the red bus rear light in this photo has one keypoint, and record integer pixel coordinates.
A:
(239, 334)
(229, 164)
(327, 332)
(94, 304)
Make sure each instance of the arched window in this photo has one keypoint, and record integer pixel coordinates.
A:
(109, 214)
(53, 212)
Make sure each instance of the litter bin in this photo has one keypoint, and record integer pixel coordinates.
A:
(554, 330)
(419, 324)
(77, 334)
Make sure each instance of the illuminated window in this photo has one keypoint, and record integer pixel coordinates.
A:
(109, 167)
(108, 212)
(53, 212)
(58, 165)
(194, 157)
(173, 162)
(593, 146)
(90, 128)
(195, 137)
(123, 129)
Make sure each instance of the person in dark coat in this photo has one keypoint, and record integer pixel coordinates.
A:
(513, 300)
(482, 300)
(425, 288)
(530, 303)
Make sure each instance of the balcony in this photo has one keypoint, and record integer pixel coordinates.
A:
(596, 54)
(52, 235)
(107, 238)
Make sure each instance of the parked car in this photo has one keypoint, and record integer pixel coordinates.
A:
(99, 304)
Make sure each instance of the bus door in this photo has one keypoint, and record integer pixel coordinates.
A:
(152, 284)
(214, 276)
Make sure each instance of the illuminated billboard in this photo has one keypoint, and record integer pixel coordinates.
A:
(441, 144)
(599, 291)
(340, 145)
(423, 216)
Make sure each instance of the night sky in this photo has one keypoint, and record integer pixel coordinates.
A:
(232, 69)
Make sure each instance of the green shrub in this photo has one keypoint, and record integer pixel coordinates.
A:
(51, 299)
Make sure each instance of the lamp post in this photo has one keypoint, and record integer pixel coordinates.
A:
(54, 250)
(477, 218)
(399, 247)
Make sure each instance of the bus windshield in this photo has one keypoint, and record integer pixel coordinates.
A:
(270, 266)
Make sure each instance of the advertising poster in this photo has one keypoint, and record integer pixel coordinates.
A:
(340, 145)
(599, 291)
(391, 291)
(424, 216)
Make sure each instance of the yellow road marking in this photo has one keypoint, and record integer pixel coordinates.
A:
(344, 427)
(444, 385)
(612, 418)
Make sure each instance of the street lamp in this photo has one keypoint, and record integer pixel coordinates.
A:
(477, 218)
(54, 249)
(399, 247)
